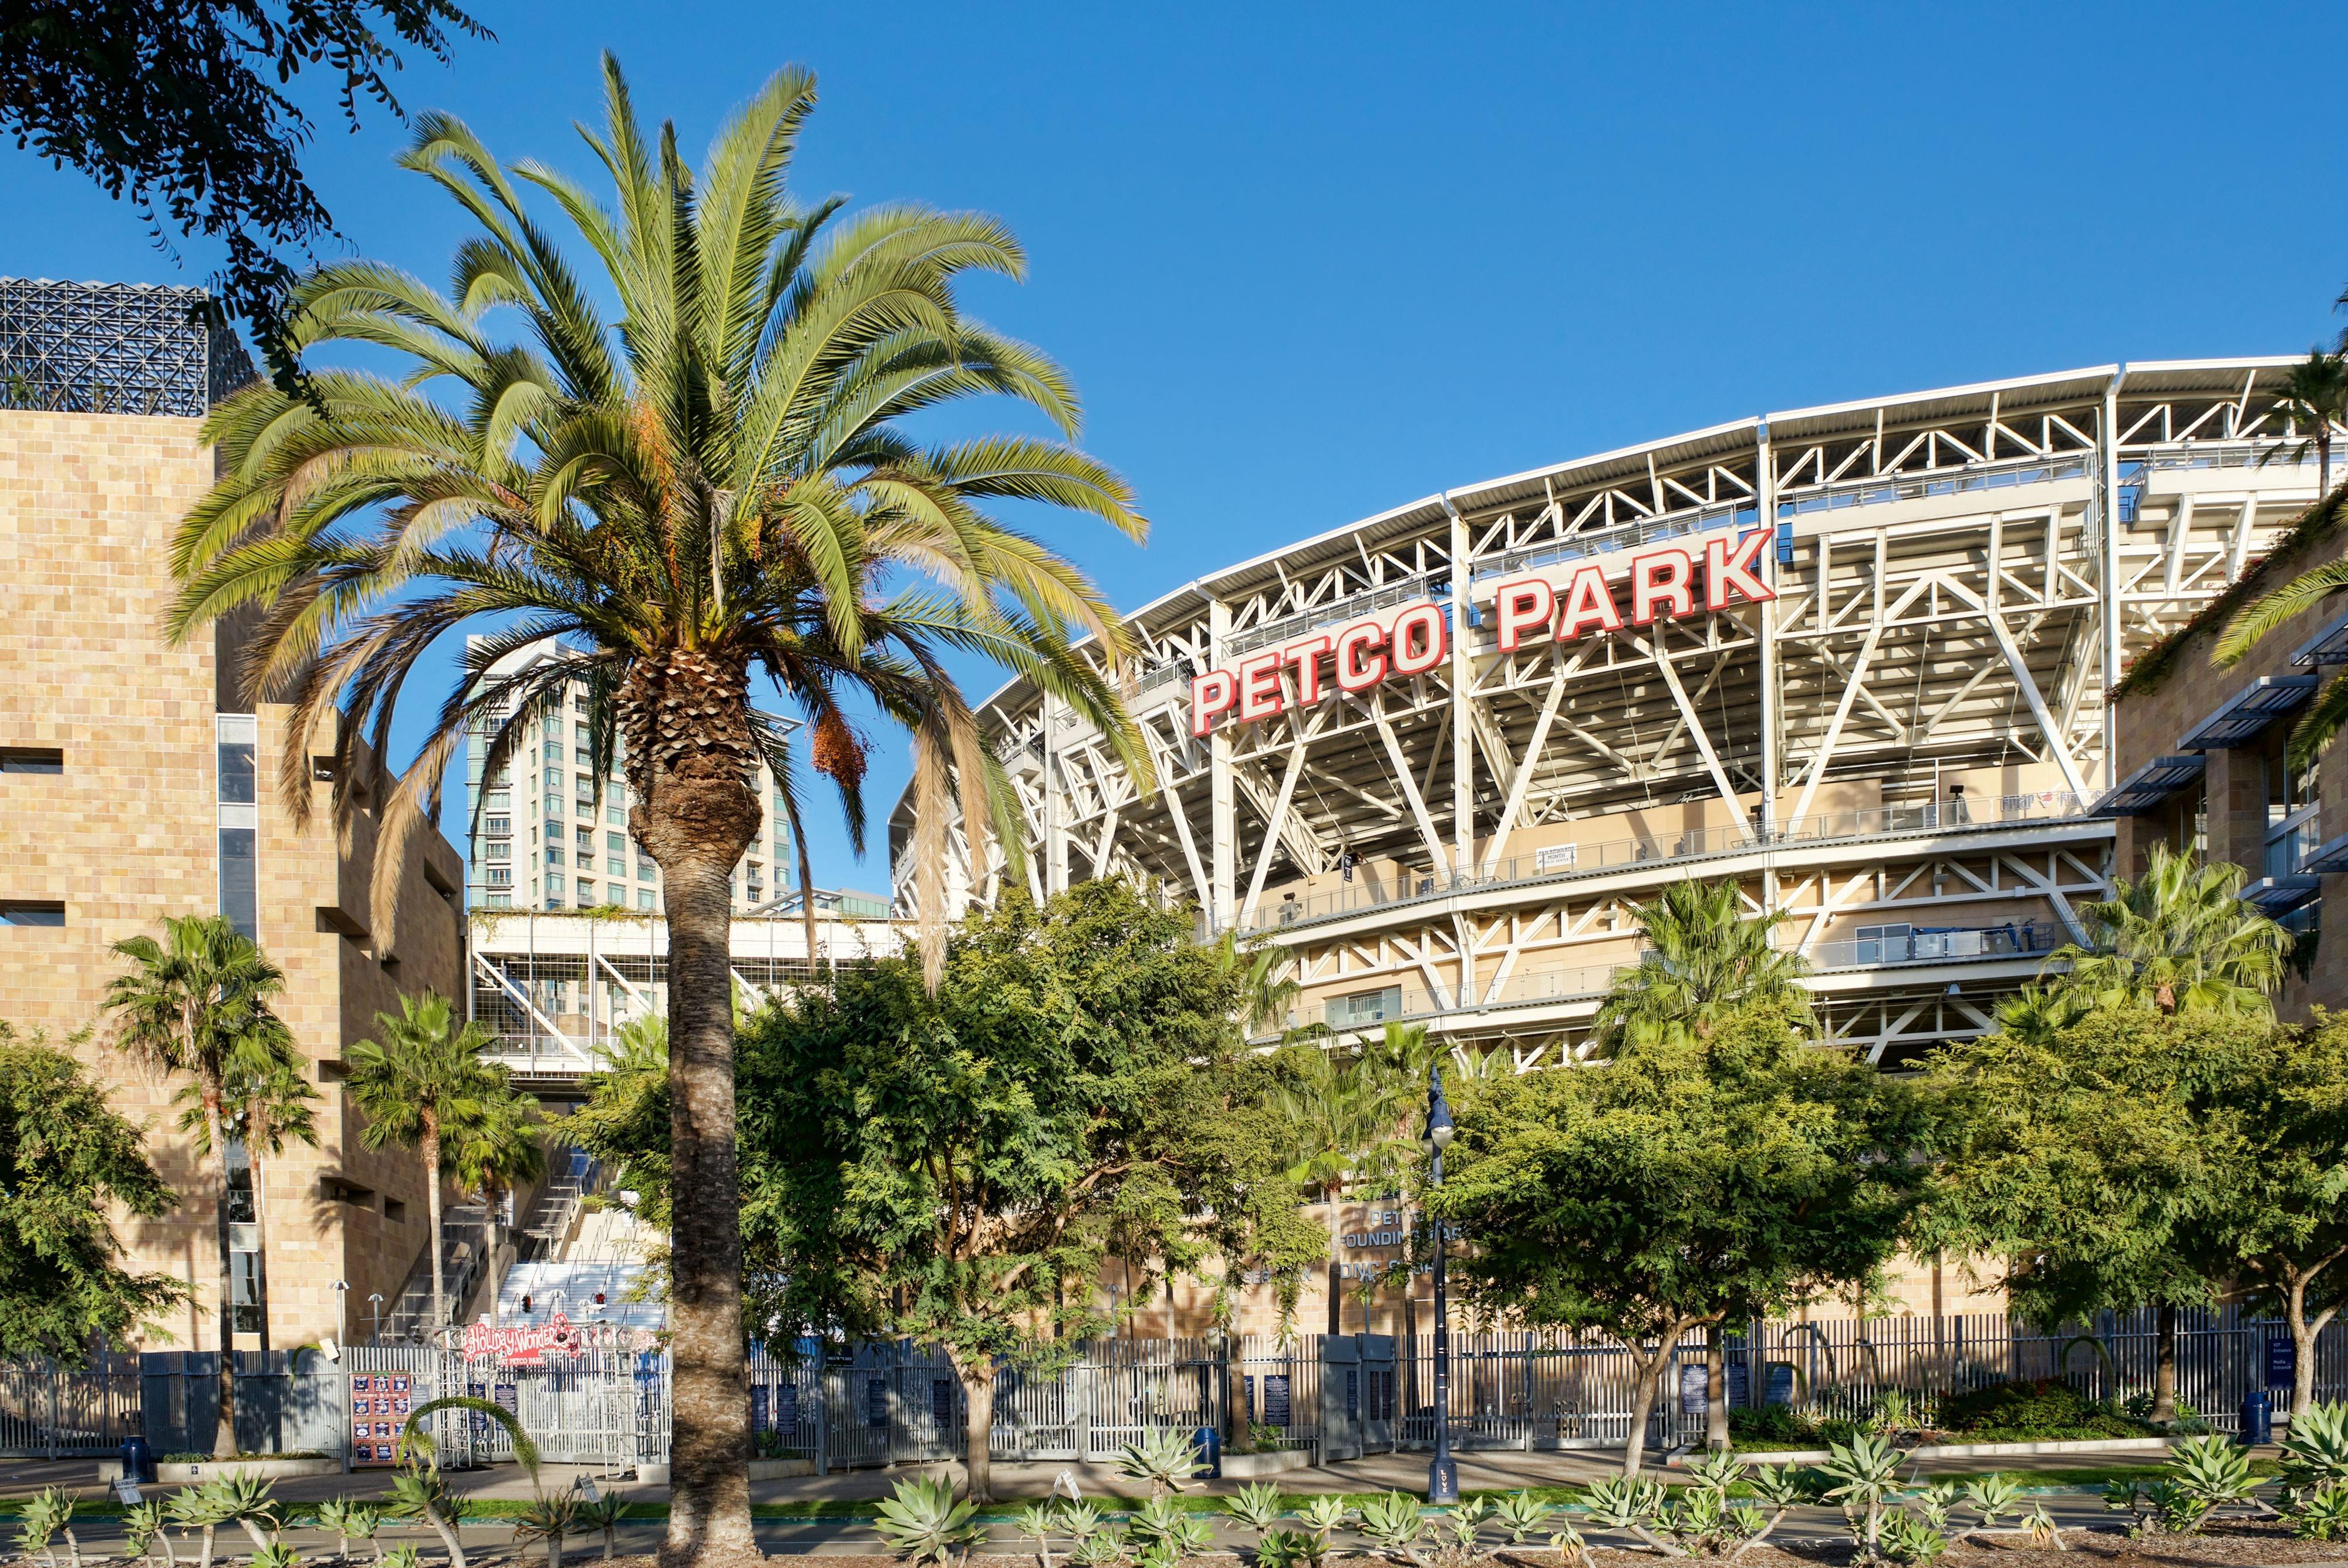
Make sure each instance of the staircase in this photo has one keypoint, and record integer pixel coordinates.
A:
(582, 1253)
(464, 1254)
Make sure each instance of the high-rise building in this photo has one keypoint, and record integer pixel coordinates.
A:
(548, 831)
(136, 782)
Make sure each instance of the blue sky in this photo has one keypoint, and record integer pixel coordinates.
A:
(1307, 263)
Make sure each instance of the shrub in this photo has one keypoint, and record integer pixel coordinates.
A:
(2043, 1407)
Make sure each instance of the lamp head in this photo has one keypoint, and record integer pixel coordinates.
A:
(1438, 1114)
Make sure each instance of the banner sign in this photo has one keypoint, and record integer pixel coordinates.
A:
(380, 1403)
(1694, 1384)
(1664, 581)
(532, 1345)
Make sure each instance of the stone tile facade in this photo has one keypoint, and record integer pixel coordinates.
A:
(2151, 722)
(125, 834)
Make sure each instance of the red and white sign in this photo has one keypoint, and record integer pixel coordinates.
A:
(1567, 602)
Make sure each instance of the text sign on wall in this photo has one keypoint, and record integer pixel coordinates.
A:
(1664, 581)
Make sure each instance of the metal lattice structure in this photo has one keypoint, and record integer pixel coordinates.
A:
(1899, 741)
(115, 348)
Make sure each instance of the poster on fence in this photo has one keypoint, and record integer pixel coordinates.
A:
(1778, 1383)
(1693, 1398)
(1740, 1386)
(758, 1407)
(2282, 1363)
(379, 1408)
(876, 1403)
(1275, 1399)
(786, 1407)
(942, 1403)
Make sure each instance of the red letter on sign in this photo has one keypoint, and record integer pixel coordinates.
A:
(1259, 687)
(1521, 607)
(1727, 567)
(1211, 694)
(1306, 657)
(1587, 602)
(1662, 579)
(1418, 640)
(1355, 672)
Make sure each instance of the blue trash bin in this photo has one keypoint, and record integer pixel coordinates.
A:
(138, 1460)
(1209, 1444)
(2258, 1418)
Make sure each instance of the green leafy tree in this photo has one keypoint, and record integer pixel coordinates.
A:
(716, 483)
(185, 110)
(67, 1159)
(954, 1167)
(2313, 401)
(1705, 957)
(1699, 1179)
(2179, 939)
(2082, 1154)
(422, 1083)
(186, 1006)
(490, 1155)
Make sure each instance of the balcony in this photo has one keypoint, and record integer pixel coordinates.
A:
(1946, 945)
(1566, 863)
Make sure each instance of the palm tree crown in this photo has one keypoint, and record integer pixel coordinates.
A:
(1705, 956)
(716, 483)
(2178, 938)
(2314, 400)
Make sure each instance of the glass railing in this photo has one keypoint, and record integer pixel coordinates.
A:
(1877, 490)
(1560, 862)
(2011, 940)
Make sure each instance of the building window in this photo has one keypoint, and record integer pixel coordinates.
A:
(236, 734)
(2291, 806)
(498, 799)
(614, 814)
(554, 854)
(643, 898)
(31, 911)
(244, 1244)
(553, 885)
(501, 901)
(31, 759)
(498, 850)
(553, 806)
(552, 751)
(499, 876)
(615, 866)
(496, 827)
(586, 893)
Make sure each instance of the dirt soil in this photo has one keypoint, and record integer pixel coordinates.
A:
(2218, 1546)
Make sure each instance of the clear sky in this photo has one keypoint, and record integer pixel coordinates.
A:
(1307, 263)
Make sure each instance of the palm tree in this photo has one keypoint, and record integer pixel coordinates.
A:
(1343, 1115)
(1705, 958)
(717, 484)
(264, 1081)
(2313, 399)
(1268, 987)
(423, 1082)
(492, 1154)
(184, 1007)
(2179, 938)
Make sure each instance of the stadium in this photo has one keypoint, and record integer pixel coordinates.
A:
(1857, 659)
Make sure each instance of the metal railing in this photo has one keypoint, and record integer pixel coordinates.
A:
(1879, 488)
(2010, 940)
(1561, 862)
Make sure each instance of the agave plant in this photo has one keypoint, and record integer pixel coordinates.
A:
(1164, 1458)
(348, 1520)
(1283, 1549)
(603, 1512)
(277, 1555)
(1256, 1506)
(2315, 1452)
(421, 1495)
(1566, 1541)
(1079, 1521)
(1394, 1523)
(548, 1519)
(198, 1508)
(1100, 1547)
(48, 1515)
(924, 1522)
(1038, 1521)
(400, 1556)
(1864, 1472)
(1993, 1496)
(1781, 1490)
(2214, 1472)
(145, 1527)
(249, 1501)
(1629, 1504)
(2323, 1516)
(1322, 1517)
(1464, 1527)
(1521, 1513)
(2043, 1530)
(1908, 1538)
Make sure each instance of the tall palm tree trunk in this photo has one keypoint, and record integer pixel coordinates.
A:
(430, 1146)
(690, 757)
(224, 1424)
(1337, 1268)
(2164, 1365)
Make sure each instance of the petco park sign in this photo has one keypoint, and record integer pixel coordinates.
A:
(1662, 582)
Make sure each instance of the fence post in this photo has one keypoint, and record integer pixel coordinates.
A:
(822, 1412)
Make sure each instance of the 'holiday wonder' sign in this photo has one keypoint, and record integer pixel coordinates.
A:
(1567, 602)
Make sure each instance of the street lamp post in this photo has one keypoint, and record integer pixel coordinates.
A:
(375, 1304)
(342, 1312)
(1443, 1474)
